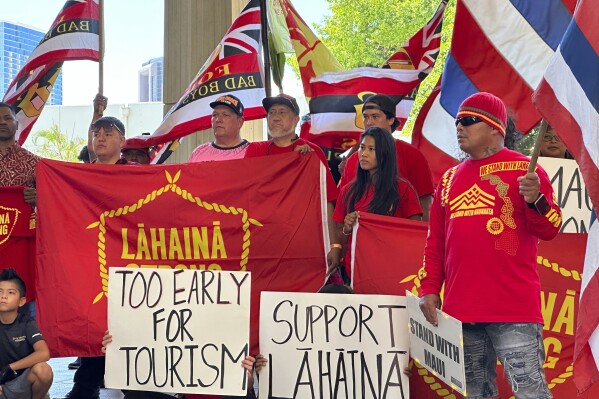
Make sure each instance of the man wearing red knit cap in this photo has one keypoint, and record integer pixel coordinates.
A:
(486, 218)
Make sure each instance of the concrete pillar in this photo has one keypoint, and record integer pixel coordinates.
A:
(192, 29)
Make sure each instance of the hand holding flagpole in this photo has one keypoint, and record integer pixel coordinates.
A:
(537, 149)
(101, 50)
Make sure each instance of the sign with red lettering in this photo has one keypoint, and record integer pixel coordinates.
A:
(240, 215)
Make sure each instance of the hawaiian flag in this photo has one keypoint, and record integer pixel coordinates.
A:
(337, 97)
(505, 56)
(74, 35)
(568, 98)
(421, 51)
(232, 68)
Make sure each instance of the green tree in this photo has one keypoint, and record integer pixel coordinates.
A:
(54, 144)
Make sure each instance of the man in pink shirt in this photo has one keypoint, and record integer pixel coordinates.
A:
(227, 120)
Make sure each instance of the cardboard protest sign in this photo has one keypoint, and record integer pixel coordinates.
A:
(333, 346)
(183, 331)
(440, 349)
(572, 195)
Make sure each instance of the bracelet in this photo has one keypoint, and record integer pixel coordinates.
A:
(336, 246)
(344, 233)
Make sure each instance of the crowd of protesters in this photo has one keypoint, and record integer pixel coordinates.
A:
(384, 176)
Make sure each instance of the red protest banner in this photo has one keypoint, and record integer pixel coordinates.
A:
(388, 260)
(17, 236)
(235, 215)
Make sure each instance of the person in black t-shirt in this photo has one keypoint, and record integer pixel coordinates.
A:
(24, 372)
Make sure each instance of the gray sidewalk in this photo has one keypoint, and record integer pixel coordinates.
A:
(63, 380)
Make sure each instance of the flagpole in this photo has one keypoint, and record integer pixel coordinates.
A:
(101, 51)
(265, 52)
(537, 150)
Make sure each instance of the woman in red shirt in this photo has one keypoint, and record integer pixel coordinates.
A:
(377, 189)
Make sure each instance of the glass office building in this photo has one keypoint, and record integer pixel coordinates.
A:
(150, 80)
(16, 43)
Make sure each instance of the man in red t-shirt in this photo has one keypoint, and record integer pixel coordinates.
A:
(282, 119)
(379, 110)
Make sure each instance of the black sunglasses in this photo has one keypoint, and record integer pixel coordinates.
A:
(467, 120)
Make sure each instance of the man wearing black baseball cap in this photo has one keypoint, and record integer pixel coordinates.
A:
(379, 110)
(227, 120)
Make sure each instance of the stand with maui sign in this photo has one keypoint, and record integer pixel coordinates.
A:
(439, 349)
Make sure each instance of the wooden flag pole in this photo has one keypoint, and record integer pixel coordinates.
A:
(101, 51)
(537, 150)
(265, 52)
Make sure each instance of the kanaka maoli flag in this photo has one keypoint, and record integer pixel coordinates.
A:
(234, 67)
(388, 260)
(262, 215)
(74, 35)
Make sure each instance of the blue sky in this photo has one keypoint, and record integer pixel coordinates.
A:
(140, 21)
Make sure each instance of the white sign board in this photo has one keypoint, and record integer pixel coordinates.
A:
(571, 193)
(333, 346)
(183, 331)
(439, 349)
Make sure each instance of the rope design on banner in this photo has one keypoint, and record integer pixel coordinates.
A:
(183, 193)
(433, 384)
(574, 274)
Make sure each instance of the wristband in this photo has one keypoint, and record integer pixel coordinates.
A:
(336, 246)
(541, 205)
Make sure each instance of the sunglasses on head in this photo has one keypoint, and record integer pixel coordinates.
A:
(107, 128)
(467, 120)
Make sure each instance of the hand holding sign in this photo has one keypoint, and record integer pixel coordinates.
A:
(429, 304)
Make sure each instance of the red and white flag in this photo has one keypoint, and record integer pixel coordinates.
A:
(568, 99)
(74, 35)
(505, 56)
(232, 68)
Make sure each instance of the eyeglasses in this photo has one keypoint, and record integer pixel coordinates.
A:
(551, 137)
(467, 120)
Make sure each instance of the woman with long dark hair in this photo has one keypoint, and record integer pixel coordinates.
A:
(377, 189)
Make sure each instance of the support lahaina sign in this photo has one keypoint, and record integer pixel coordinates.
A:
(183, 331)
(333, 346)
(440, 349)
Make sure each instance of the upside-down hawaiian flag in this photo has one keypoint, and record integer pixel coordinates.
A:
(503, 55)
(233, 68)
(336, 105)
(74, 35)
(568, 98)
